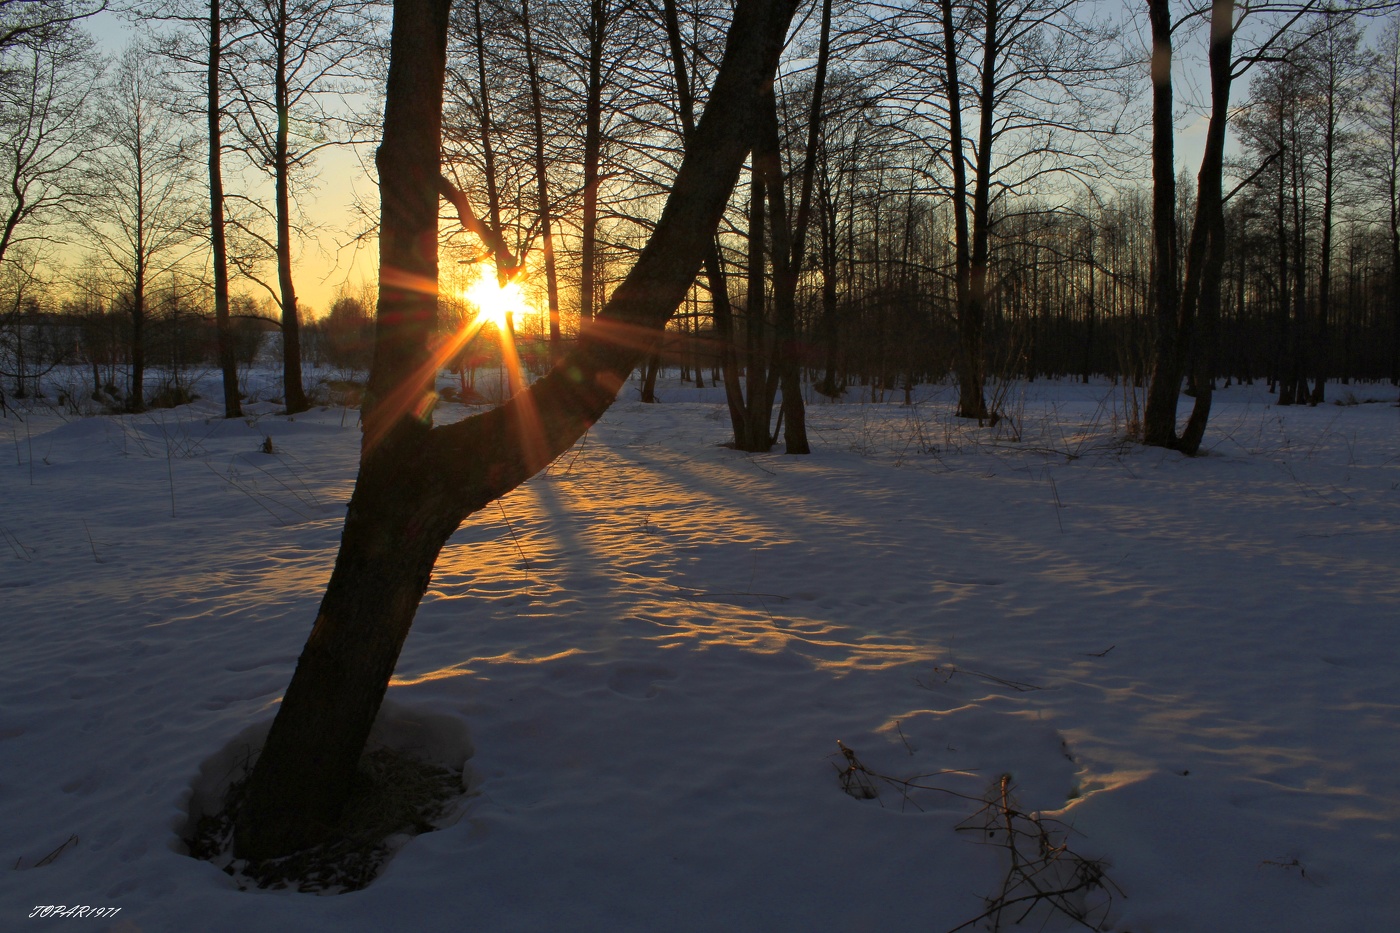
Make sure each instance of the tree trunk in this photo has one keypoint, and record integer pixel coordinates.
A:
(416, 482)
(546, 207)
(292, 392)
(1324, 280)
(1187, 313)
(830, 326)
(1205, 258)
(649, 372)
(968, 364)
(592, 154)
(1281, 352)
(721, 311)
(789, 249)
(971, 402)
(228, 362)
(1159, 415)
(785, 270)
(758, 393)
(1394, 297)
(136, 400)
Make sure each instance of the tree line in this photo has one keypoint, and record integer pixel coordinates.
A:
(946, 190)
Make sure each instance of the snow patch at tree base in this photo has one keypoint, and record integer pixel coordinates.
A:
(411, 780)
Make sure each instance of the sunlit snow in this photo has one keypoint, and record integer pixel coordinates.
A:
(654, 647)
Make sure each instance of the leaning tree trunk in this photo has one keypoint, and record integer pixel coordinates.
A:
(416, 482)
(1206, 253)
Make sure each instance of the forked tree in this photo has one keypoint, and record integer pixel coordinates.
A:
(1187, 314)
(417, 482)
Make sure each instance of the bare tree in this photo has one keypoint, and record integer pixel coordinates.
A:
(140, 207)
(286, 81)
(1334, 69)
(1187, 328)
(21, 347)
(1381, 164)
(1008, 95)
(34, 23)
(789, 237)
(45, 128)
(204, 36)
(418, 482)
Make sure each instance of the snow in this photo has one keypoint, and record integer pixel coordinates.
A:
(654, 648)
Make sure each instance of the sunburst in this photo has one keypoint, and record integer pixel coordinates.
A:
(496, 303)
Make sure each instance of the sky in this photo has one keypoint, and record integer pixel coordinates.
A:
(330, 257)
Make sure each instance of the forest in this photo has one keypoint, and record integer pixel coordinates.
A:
(978, 190)
(849, 298)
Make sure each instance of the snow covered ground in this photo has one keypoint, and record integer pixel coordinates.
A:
(654, 648)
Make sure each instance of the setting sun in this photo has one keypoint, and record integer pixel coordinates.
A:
(492, 301)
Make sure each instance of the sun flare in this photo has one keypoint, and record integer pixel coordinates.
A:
(492, 301)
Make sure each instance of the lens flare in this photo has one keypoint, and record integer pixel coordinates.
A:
(494, 302)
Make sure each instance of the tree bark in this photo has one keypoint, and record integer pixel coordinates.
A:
(1164, 390)
(417, 482)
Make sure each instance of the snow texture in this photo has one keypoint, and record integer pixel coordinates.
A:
(654, 647)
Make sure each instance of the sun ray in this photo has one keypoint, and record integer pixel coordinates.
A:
(495, 304)
(415, 393)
